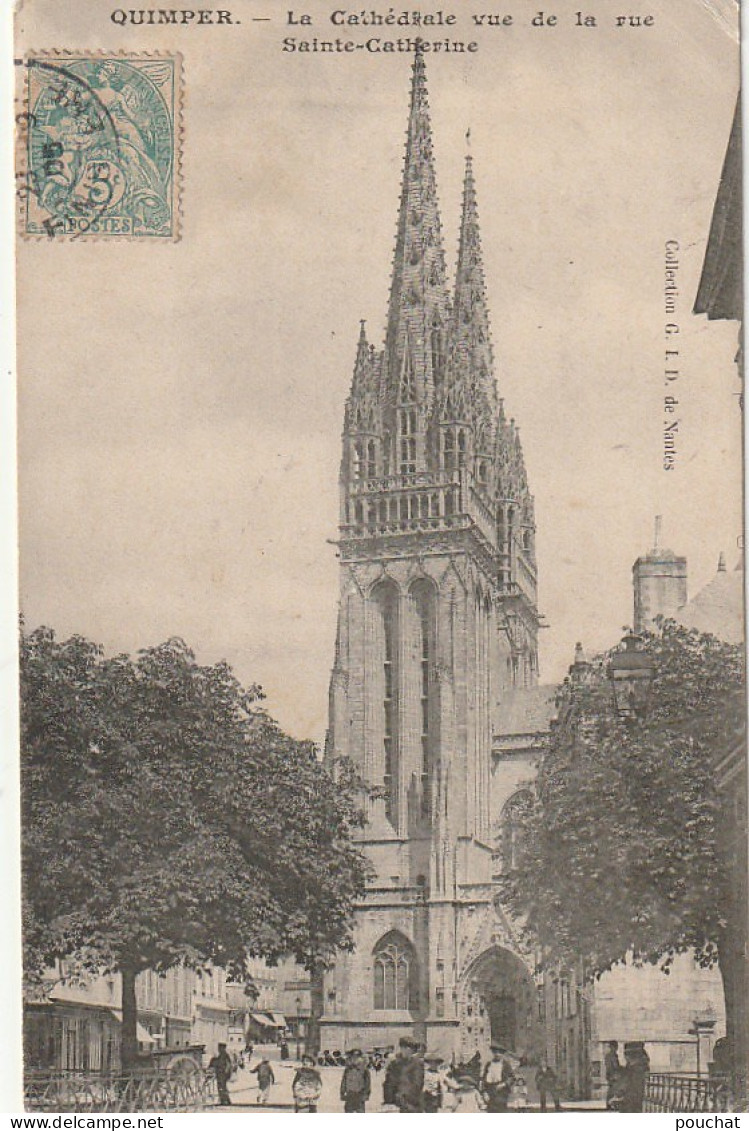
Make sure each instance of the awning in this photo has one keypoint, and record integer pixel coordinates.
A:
(278, 1019)
(142, 1034)
(265, 1019)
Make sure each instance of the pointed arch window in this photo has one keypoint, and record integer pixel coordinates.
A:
(448, 450)
(407, 440)
(358, 460)
(407, 389)
(371, 460)
(511, 829)
(394, 970)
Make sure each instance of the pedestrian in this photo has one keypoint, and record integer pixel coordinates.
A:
(547, 1084)
(265, 1078)
(222, 1068)
(404, 1079)
(613, 1071)
(356, 1083)
(518, 1100)
(434, 1083)
(467, 1098)
(636, 1069)
(306, 1085)
(392, 1077)
(497, 1078)
(284, 1050)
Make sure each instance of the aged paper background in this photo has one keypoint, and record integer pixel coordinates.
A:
(180, 406)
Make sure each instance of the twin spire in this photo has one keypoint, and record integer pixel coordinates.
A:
(437, 356)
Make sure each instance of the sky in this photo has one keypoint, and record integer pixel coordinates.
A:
(180, 405)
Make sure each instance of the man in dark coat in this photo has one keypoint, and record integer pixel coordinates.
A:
(410, 1078)
(496, 1079)
(635, 1072)
(392, 1077)
(356, 1083)
(221, 1066)
(404, 1078)
(613, 1070)
(548, 1085)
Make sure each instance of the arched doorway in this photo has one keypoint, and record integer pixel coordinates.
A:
(499, 1005)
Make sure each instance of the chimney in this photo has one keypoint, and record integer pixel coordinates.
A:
(660, 583)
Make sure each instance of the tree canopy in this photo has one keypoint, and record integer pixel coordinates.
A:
(622, 844)
(167, 817)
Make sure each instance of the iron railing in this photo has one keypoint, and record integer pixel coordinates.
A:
(664, 1092)
(151, 1090)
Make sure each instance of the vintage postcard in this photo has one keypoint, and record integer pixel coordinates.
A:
(382, 696)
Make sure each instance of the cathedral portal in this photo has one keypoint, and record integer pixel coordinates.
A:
(498, 1005)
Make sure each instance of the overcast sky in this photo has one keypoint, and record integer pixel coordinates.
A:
(181, 406)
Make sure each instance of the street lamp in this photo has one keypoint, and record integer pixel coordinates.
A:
(298, 1028)
(631, 671)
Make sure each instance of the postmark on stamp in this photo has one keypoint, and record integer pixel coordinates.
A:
(98, 150)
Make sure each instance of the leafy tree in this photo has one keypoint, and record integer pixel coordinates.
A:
(623, 855)
(167, 818)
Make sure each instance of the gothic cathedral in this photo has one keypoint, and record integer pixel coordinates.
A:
(437, 628)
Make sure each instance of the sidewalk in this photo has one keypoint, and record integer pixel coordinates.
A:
(244, 1092)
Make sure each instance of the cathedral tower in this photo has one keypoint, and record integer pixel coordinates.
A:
(437, 622)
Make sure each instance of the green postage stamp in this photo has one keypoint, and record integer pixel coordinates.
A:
(99, 146)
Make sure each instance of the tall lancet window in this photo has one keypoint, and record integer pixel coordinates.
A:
(386, 601)
(448, 450)
(358, 460)
(424, 606)
(461, 449)
(407, 440)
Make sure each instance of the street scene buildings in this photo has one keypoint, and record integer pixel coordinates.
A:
(435, 700)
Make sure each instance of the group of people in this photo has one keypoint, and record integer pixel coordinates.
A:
(417, 1081)
(625, 1083)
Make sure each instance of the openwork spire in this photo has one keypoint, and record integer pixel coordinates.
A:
(419, 304)
(469, 382)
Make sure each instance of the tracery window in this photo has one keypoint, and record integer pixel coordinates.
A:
(407, 441)
(394, 973)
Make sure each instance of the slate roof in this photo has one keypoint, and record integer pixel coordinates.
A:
(718, 607)
(527, 710)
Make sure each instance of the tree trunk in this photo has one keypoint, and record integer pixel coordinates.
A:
(732, 962)
(312, 1042)
(129, 1035)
